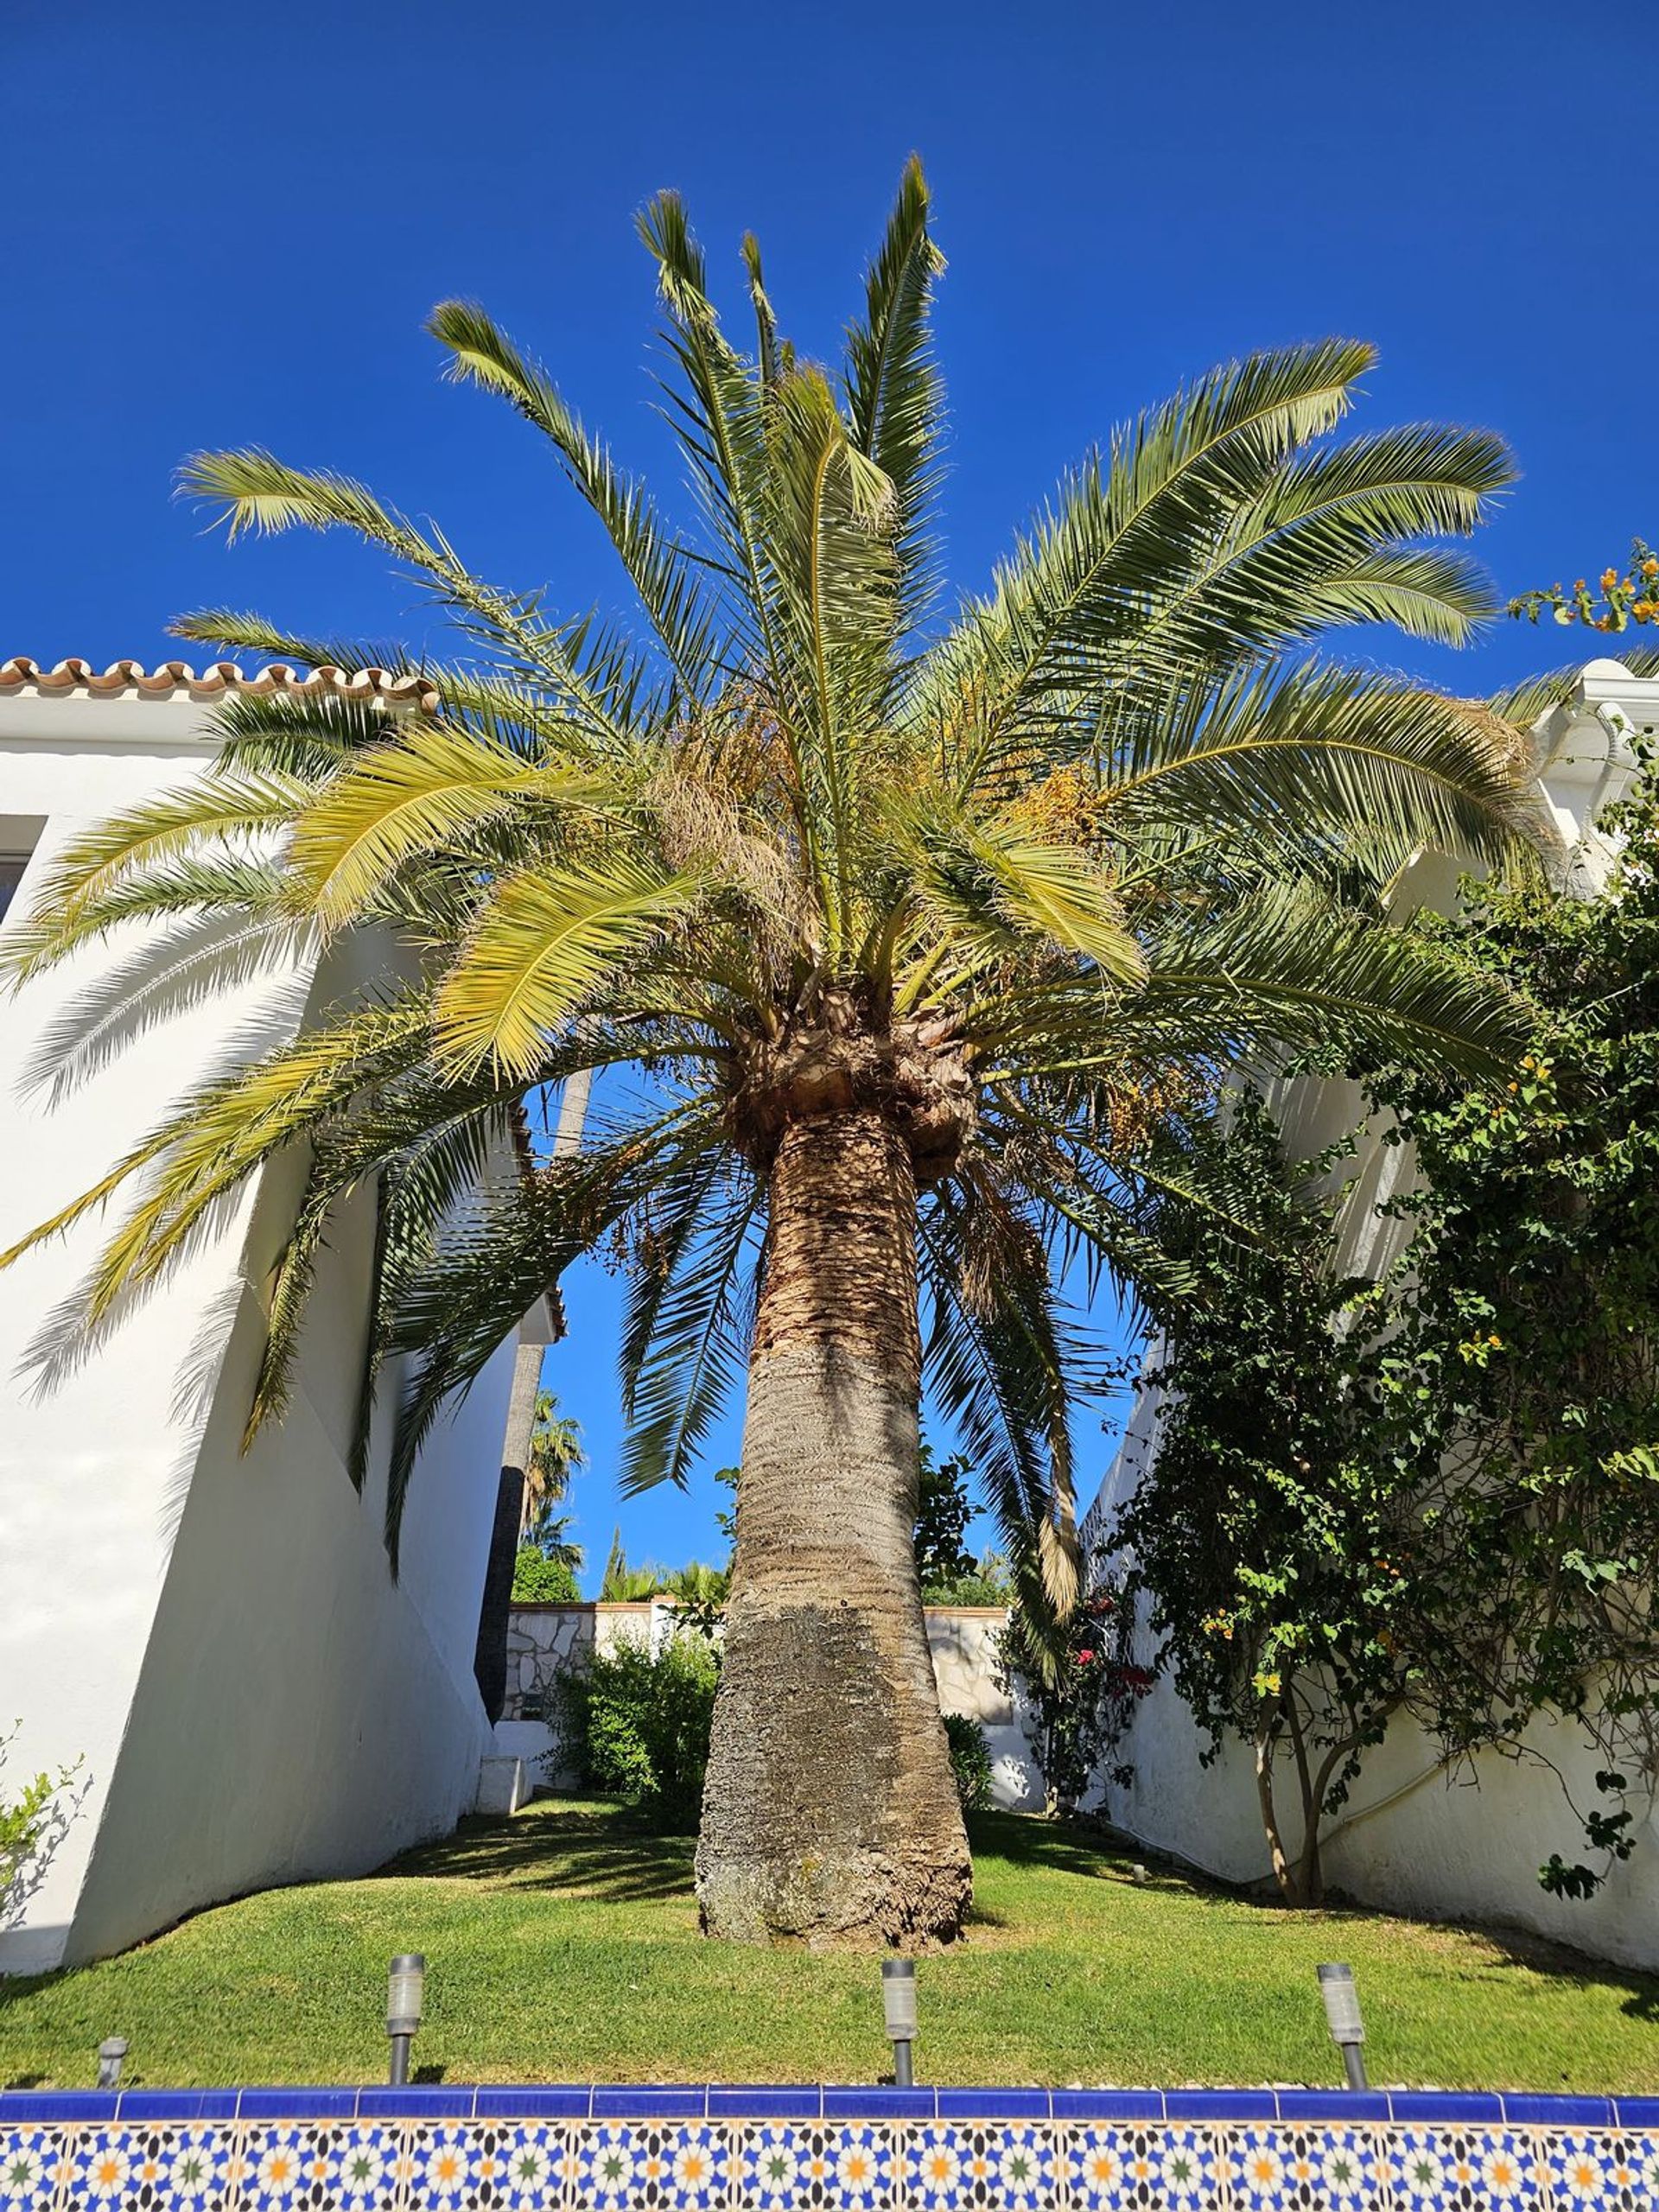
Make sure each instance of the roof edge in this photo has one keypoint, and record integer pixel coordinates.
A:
(176, 679)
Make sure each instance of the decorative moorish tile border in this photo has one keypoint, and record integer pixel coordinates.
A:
(822, 2150)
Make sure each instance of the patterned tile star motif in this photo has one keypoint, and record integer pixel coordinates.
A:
(319, 2168)
(685, 2167)
(1603, 2173)
(29, 2158)
(520, 2167)
(850, 2168)
(1012, 2164)
(1460, 2170)
(189, 2168)
(1305, 2169)
(1171, 2169)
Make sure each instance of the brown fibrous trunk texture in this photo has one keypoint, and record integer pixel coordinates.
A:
(830, 1815)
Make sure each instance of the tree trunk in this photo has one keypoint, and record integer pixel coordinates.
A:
(1285, 1871)
(1310, 1873)
(830, 1815)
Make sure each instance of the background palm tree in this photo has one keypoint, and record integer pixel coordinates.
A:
(556, 1454)
(622, 1585)
(923, 945)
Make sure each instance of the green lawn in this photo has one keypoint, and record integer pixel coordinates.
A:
(562, 1946)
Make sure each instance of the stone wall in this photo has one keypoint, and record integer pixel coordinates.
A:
(542, 1641)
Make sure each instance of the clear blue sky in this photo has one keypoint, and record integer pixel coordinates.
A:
(225, 224)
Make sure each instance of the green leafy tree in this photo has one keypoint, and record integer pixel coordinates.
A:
(944, 1509)
(971, 1762)
(1265, 1537)
(1438, 1494)
(637, 1723)
(984, 1582)
(541, 1578)
(921, 935)
(1518, 1386)
(33, 1823)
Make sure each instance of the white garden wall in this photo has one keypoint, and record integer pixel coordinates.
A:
(1415, 1839)
(543, 1641)
(217, 1638)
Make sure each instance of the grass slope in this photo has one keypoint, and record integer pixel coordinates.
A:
(562, 1946)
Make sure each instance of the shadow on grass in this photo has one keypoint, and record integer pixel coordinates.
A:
(605, 1855)
(1077, 1848)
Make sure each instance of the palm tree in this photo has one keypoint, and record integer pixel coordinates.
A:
(923, 941)
(556, 1454)
(622, 1585)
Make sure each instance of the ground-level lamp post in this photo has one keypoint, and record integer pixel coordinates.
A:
(898, 2004)
(403, 1990)
(1347, 2028)
(111, 2052)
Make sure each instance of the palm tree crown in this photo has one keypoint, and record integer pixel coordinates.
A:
(1010, 888)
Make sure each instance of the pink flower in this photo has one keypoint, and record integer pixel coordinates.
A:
(1084, 1657)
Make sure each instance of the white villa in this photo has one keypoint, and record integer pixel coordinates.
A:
(216, 1639)
(1413, 1839)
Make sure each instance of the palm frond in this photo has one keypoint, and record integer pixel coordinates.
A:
(257, 493)
(1522, 703)
(432, 787)
(452, 1314)
(1262, 582)
(1441, 597)
(1288, 969)
(990, 887)
(1117, 533)
(894, 395)
(683, 1349)
(228, 811)
(995, 1359)
(243, 632)
(545, 938)
(662, 571)
(1275, 755)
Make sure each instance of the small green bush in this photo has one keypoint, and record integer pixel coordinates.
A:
(987, 1582)
(636, 1725)
(539, 1580)
(970, 1761)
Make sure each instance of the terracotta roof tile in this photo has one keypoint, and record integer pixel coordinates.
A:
(177, 678)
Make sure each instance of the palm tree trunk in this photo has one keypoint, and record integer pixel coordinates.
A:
(830, 1815)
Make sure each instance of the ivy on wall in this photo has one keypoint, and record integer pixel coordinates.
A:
(1438, 1493)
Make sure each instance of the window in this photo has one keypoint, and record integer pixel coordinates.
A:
(11, 875)
(19, 835)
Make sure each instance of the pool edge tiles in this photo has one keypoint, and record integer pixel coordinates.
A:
(774, 2149)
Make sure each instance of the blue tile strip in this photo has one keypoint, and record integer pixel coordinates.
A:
(710, 2148)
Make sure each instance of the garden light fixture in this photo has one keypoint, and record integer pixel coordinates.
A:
(1347, 2028)
(403, 1990)
(111, 2052)
(899, 2003)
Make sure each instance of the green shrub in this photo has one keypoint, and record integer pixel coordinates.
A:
(636, 1725)
(970, 1761)
(31, 1825)
(987, 1582)
(539, 1580)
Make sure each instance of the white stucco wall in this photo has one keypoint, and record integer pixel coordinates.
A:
(1414, 1838)
(216, 1637)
